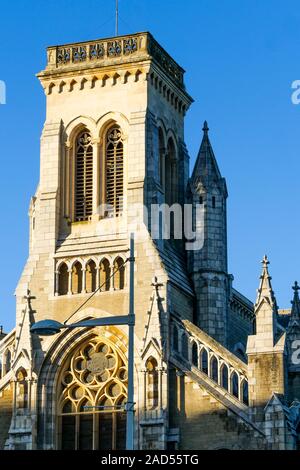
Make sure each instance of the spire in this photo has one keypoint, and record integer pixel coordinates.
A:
(206, 167)
(265, 290)
(265, 308)
(205, 128)
(23, 347)
(266, 347)
(295, 314)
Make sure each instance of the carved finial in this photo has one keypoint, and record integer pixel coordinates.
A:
(265, 287)
(29, 298)
(295, 314)
(296, 286)
(155, 283)
(28, 294)
(265, 262)
(205, 128)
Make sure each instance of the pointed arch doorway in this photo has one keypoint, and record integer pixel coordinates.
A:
(91, 394)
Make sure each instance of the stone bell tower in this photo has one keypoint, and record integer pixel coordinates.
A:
(131, 86)
(112, 145)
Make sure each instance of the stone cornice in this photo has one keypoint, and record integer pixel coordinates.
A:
(111, 52)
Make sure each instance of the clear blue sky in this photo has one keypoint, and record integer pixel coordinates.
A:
(241, 57)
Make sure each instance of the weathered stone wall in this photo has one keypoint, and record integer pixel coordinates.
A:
(266, 374)
(6, 404)
(204, 422)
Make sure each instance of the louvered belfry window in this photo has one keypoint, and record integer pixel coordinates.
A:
(83, 177)
(114, 171)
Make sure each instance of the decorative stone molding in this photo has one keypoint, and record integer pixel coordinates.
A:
(141, 46)
(80, 83)
(189, 344)
(174, 99)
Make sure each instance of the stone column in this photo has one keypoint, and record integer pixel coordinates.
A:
(56, 293)
(70, 282)
(97, 186)
(98, 279)
(83, 281)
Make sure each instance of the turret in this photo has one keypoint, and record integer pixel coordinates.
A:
(208, 265)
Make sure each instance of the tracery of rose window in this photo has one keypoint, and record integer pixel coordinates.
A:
(92, 393)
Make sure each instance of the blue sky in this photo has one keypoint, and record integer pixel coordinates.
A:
(241, 57)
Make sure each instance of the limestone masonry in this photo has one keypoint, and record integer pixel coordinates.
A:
(212, 370)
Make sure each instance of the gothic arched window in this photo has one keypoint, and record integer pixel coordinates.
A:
(235, 385)
(77, 278)
(91, 276)
(152, 383)
(114, 171)
(119, 277)
(214, 369)
(162, 150)
(245, 392)
(22, 389)
(7, 361)
(195, 355)
(171, 174)
(91, 393)
(63, 279)
(204, 361)
(224, 376)
(105, 275)
(83, 177)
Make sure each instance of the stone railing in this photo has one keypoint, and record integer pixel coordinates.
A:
(104, 52)
(198, 350)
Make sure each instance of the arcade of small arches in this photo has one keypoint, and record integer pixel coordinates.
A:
(217, 368)
(87, 276)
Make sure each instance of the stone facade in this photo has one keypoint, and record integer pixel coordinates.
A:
(211, 370)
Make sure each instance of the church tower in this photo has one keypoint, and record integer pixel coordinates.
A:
(112, 145)
(208, 265)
